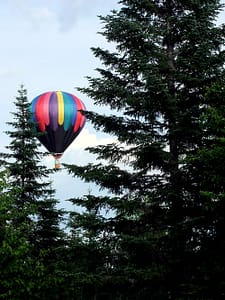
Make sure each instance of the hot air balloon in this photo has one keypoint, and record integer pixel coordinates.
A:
(57, 116)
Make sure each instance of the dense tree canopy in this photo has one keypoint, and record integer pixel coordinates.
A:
(164, 82)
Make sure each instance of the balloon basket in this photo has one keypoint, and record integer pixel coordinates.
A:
(57, 157)
(57, 164)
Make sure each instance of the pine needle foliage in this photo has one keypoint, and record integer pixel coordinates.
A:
(35, 208)
(163, 236)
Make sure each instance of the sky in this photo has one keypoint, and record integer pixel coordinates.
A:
(45, 45)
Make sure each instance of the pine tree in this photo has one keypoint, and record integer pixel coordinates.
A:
(164, 237)
(20, 273)
(35, 203)
(23, 158)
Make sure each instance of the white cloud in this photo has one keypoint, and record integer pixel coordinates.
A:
(88, 139)
(68, 13)
(72, 11)
(37, 15)
(64, 13)
(76, 153)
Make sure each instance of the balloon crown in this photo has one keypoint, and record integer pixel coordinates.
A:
(58, 108)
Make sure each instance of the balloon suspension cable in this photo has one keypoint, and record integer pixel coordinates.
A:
(57, 157)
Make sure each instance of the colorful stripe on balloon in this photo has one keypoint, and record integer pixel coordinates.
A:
(56, 109)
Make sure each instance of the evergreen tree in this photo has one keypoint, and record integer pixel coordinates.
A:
(35, 204)
(164, 238)
(20, 273)
(23, 158)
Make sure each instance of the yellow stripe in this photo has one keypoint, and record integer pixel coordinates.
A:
(60, 108)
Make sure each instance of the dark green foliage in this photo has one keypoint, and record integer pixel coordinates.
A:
(161, 234)
(33, 219)
(23, 159)
(20, 273)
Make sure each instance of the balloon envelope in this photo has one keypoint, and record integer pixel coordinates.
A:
(57, 115)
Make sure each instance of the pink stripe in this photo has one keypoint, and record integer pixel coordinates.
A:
(83, 117)
(79, 115)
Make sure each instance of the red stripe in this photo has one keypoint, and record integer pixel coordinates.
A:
(42, 110)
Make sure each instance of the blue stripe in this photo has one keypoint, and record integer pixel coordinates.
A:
(69, 110)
